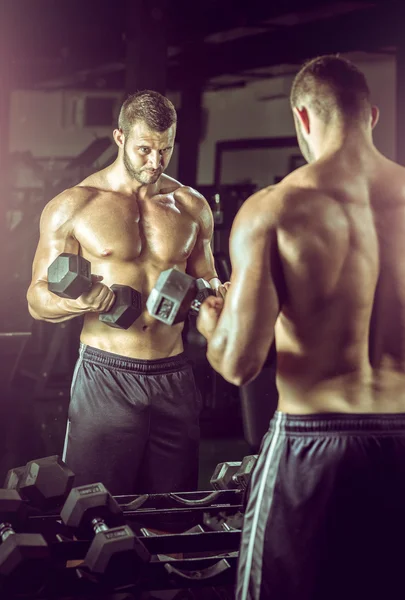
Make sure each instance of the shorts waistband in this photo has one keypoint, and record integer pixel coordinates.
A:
(323, 423)
(110, 360)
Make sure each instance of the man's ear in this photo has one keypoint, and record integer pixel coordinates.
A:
(303, 117)
(375, 116)
(119, 137)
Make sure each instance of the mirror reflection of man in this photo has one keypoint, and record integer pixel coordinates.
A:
(134, 412)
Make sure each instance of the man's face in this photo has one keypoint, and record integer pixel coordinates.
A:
(147, 153)
(303, 141)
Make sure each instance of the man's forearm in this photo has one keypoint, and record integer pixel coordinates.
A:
(43, 305)
(216, 346)
(233, 361)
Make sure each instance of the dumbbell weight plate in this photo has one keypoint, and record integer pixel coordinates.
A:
(222, 478)
(13, 477)
(116, 552)
(86, 503)
(46, 482)
(172, 296)
(69, 276)
(126, 308)
(24, 557)
(244, 473)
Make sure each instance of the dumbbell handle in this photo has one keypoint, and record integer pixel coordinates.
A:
(6, 531)
(195, 306)
(99, 525)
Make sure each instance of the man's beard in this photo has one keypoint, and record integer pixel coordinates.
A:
(304, 146)
(140, 175)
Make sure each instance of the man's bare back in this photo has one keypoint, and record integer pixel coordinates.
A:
(335, 232)
(333, 287)
(341, 231)
(316, 265)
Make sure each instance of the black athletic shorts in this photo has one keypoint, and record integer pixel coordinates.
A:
(133, 424)
(325, 518)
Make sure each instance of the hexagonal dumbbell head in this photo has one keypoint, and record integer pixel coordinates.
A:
(172, 296)
(46, 482)
(69, 276)
(24, 561)
(126, 308)
(222, 478)
(89, 502)
(13, 509)
(117, 552)
(23, 556)
(13, 477)
(244, 473)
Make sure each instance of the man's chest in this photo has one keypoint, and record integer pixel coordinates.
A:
(128, 231)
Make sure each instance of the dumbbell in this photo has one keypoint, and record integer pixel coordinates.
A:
(115, 550)
(24, 557)
(44, 483)
(69, 276)
(222, 521)
(175, 294)
(233, 475)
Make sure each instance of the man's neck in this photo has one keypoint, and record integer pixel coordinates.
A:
(347, 141)
(121, 182)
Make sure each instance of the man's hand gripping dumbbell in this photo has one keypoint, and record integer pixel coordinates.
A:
(69, 276)
(176, 294)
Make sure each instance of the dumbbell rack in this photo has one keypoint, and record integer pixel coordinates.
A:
(209, 558)
(157, 575)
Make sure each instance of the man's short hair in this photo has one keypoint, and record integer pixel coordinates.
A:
(331, 84)
(150, 107)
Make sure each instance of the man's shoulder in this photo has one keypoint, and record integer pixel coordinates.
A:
(73, 196)
(269, 202)
(185, 194)
(170, 184)
(258, 213)
(67, 203)
(192, 198)
(286, 203)
(392, 180)
(280, 196)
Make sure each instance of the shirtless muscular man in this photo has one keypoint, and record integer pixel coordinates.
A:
(317, 263)
(133, 419)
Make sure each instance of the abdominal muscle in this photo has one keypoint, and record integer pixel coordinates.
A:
(146, 339)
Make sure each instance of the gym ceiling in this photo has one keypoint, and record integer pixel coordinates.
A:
(59, 44)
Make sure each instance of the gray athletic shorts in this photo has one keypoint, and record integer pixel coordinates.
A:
(133, 424)
(325, 518)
